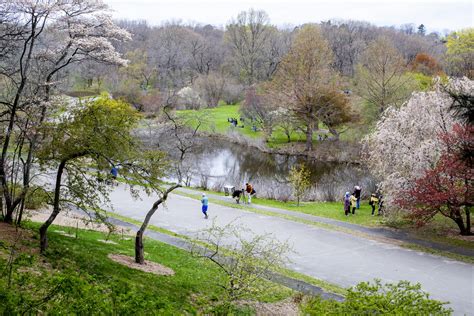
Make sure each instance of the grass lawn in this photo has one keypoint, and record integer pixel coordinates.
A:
(217, 120)
(217, 123)
(85, 281)
(332, 210)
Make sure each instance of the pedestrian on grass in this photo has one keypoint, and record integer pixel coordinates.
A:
(356, 193)
(373, 201)
(353, 200)
(205, 203)
(347, 203)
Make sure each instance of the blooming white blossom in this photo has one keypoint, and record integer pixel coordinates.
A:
(406, 140)
(79, 30)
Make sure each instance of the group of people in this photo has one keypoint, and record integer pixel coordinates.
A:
(245, 193)
(233, 121)
(352, 202)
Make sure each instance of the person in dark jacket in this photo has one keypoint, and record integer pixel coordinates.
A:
(250, 192)
(347, 204)
(356, 193)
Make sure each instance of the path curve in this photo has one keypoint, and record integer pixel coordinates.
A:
(332, 256)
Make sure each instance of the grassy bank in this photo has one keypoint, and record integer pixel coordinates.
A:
(216, 119)
(76, 277)
(328, 287)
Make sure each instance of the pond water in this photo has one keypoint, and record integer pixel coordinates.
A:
(216, 163)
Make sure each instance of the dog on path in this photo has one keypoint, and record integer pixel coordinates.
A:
(237, 194)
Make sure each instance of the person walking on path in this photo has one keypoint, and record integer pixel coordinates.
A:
(114, 172)
(113, 176)
(356, 193)
(347, 203)
(373, 201)
(250, 192)
(353, 200)
(205, 203)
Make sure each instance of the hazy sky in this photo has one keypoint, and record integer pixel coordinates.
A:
(436, 15)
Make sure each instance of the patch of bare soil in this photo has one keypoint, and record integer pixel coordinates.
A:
(72, 219)
(454, 234)
(21, 239)
(149, 266)
(287, 307)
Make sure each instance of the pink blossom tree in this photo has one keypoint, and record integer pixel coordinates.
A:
(446, 189)
(406, 141)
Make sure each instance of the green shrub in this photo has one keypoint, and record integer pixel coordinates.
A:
(375, 298)
(36, 198)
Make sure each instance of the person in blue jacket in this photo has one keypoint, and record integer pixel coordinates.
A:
(205, 203)
(114, 172)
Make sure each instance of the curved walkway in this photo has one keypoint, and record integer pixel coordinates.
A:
(374, 231)
(333, 256)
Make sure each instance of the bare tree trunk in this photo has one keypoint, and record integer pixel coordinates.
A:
(1, 205)
(25, 59)
(309, 136)
(57, 190)
(335, 133)
(468, 220)
(139, 253)
(20, 213)
(460, 223)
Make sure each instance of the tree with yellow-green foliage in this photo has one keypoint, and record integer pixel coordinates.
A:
(460, 53)
(98, 134)
(299, 179)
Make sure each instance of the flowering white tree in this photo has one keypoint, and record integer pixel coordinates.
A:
(406, 141)
(43, 38)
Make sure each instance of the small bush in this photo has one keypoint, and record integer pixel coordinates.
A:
(36, 198)
(395, 218)
(375, 298)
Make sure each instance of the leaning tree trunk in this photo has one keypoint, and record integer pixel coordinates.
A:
(335, 133)
(57, 190)
(139, 253)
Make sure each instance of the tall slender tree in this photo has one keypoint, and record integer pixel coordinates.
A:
(304, 78)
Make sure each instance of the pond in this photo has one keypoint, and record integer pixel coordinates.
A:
(215, 163)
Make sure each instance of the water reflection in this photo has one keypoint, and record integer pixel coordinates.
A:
(215, 163)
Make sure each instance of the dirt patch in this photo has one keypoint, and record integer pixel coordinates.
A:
(286, 307)
(149, 266)
(20, 238)
(72, 219)
(454, 234)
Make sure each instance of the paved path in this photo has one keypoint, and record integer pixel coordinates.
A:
(333, 256)
(373, 231)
